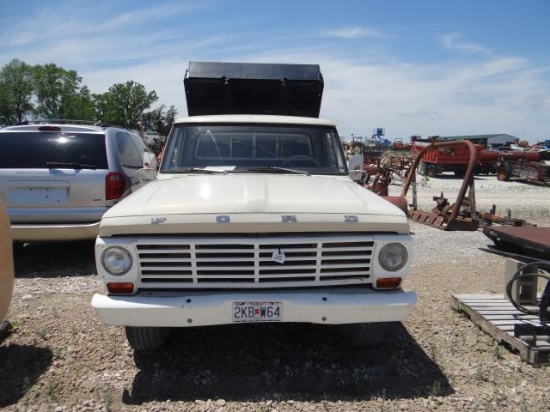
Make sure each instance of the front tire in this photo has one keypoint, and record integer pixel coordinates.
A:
(146, 339)
(432, 170)
(504, 172)
(422, 168)
(366, 334)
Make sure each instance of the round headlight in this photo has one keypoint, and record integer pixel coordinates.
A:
(116, 260)
(393, 257)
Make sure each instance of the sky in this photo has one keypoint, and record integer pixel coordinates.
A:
(412, 67)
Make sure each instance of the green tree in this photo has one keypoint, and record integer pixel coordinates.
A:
(101, 107)
(16, 92)
(80, 106)
(160, 120)
(56, 89)
(124, 104)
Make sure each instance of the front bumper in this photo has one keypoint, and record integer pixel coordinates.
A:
(322, 306)
(54, 232)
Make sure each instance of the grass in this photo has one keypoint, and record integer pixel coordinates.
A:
(436, 389)
(58, 353)
(42, 333)
(51, 389)
(498, 351)
(107, 398)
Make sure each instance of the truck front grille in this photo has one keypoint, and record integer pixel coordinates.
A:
(254, 262)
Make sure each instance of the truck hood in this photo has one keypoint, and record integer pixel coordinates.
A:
(252, 199)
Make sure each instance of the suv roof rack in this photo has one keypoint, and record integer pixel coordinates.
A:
(97, 123)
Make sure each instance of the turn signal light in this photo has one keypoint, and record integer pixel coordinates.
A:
(388, 283)
(126, 288)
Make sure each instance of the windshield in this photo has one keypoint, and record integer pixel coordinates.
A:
(254, 148)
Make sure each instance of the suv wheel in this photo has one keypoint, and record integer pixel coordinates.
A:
(146, 339)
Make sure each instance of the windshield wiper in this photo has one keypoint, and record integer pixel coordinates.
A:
(277, 169)
(195, 170)
(69, 165)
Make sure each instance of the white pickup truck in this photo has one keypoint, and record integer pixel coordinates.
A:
(253, 218)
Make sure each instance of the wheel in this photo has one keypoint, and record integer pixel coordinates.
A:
(504, 172)
(432, 171)
(422, 168)
(146, 339)
(300, 157)
(460, 171)
(366, 334)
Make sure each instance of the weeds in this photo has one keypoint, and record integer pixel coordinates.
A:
(51, 387)
(498, 352)
(107, 398)
(479, 375)
(42, 333)
(58, 353)
(436, 389)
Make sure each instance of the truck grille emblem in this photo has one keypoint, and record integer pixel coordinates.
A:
(278, 257)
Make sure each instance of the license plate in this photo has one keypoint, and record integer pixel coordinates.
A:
(52, 195)
(257, 312)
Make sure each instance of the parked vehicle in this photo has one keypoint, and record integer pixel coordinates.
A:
(528, 165)
(437, 160)
(6, 268)
(152, 139)
(253, 218)
(58, 179)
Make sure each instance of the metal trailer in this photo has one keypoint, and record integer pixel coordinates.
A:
(437, 159)
(531, 167)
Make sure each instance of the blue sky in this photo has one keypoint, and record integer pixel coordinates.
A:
(412, 67)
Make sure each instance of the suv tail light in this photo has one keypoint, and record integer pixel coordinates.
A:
(115, 185)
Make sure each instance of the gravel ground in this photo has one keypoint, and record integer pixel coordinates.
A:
(60, 357)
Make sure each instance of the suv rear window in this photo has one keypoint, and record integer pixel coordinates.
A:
(34, 150)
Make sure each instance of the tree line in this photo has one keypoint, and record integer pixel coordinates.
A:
(40, 92)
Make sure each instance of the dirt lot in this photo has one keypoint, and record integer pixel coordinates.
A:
(60, 357)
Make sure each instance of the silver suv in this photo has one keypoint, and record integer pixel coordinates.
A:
(58, 179)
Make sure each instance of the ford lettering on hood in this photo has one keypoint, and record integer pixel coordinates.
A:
(245, 200)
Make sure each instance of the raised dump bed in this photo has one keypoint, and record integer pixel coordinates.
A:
(253, 88)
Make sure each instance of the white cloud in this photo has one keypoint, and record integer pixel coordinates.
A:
(352, 33)
(453, 42)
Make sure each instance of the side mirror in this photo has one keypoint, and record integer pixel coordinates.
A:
(149, 160)
(147, 175)
(355, 167)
